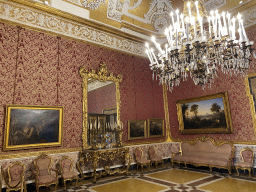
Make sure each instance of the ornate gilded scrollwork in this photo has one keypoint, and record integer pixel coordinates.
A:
(107, 156)
(102, 75)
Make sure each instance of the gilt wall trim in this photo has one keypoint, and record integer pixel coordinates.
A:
(250, 97)
(103, 75)
(55, 22)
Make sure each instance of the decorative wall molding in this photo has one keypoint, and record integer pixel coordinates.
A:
(34, 18)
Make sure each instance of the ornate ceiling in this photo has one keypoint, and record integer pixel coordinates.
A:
(143, 16)
(118, 24)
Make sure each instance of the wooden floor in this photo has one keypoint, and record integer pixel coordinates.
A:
(165, 179)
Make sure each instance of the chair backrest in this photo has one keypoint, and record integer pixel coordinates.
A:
(152, 152)
(16, 171)
(138, 154)
(66, 164)
(43, 164)
(247, 155)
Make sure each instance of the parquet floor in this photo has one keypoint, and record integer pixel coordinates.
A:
(166, 179)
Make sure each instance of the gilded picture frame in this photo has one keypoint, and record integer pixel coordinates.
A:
(206, 114)
(137, 129)
(32, 127)
(155, 127)
(250, 83)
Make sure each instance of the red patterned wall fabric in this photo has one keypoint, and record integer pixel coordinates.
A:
(42, 69)
(238, 101)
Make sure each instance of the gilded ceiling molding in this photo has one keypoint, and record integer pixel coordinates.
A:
(249, 17)
(93, 5)
(37, 153)
(27, 16)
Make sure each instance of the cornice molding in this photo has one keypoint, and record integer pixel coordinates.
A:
(41, 17)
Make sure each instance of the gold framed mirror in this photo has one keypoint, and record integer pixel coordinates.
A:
(103, 77)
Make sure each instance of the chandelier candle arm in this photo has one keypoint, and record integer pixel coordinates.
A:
(199, 49)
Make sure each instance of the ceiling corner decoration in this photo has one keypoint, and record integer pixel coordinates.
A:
(157, 15)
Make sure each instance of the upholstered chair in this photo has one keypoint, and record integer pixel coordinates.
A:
(155, 158)
(43, 176)
(141, 161)
(67, 172)
(14, 178)
(247, 156)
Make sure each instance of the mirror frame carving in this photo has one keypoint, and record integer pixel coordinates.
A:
(102, 75)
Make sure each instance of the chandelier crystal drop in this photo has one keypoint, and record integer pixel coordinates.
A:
(197, 45)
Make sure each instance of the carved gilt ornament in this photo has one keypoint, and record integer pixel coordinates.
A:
(103, 75)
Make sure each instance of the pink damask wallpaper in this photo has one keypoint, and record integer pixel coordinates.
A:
(42, 69)
(238, 101)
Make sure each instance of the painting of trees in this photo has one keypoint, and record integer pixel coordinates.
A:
(203, 115)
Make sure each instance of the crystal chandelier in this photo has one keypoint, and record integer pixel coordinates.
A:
(198, 44)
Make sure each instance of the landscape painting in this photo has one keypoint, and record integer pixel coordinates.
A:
(32, 127)
(207, 114)
(136, 129)
(155, 128)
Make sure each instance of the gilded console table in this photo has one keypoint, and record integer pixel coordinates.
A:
(106, 156)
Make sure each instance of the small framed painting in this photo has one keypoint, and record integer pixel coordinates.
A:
(136, 129)
(155, 128)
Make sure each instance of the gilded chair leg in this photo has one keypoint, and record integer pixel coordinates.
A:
(65, 185)
(249, 172)
(76, 181)
(237, 171)
(210, 168)
(37, 189)
(229, 171)
(137, 166)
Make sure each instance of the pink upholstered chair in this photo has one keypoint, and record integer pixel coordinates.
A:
(43, 172)
(14, 178)
(247, 160)
(67, 173)
(154, 157)
(141, 161)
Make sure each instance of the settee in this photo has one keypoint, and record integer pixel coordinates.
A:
(205, 152)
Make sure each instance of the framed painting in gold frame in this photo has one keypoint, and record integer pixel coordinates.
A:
(206, 114)
(32, 127)
(250, 82)
(137, 129)
(155, 127)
